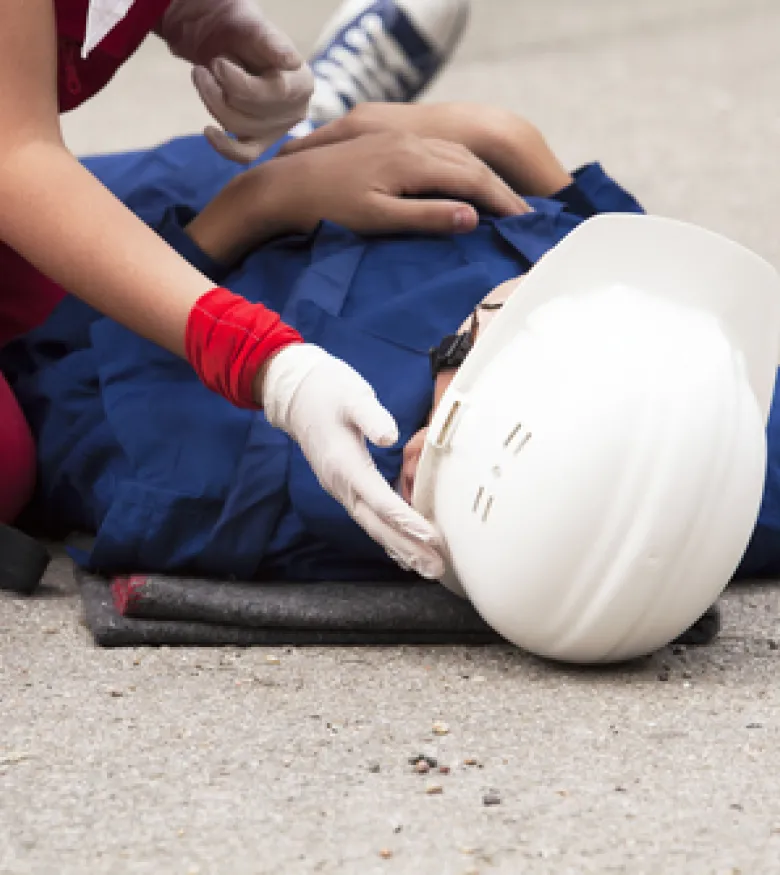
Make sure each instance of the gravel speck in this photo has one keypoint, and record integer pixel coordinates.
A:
(432, 761)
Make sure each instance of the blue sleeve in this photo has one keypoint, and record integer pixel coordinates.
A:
(593, 192)
(171, 229)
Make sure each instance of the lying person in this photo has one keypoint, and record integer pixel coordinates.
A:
(171, 478)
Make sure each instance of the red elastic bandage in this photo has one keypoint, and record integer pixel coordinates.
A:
(228, 339)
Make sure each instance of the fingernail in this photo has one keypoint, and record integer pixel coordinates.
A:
(427, 564)
(463, 218)
(429, 570)
(291, 60)
(386, 430)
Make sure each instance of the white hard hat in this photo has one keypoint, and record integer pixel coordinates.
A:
(596, 466)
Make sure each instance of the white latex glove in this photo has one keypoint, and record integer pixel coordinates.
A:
(247, 72)
(330, 411)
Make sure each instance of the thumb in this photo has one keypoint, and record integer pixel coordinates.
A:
(334, 132)
(401, 215)
(240, 151)
(373, 420)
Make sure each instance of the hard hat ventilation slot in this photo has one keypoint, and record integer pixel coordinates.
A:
(478, 502)
(524, 438)
(446, 427)
(523, 441)
(513, 434)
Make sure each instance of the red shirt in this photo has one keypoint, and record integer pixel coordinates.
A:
(81, 79)
(26, 296)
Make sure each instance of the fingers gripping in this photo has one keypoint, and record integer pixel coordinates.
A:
(406, 536)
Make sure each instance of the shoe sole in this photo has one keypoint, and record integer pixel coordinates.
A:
(23, 561)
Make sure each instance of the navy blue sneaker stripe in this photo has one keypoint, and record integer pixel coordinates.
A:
(419, 53)
(396, 22)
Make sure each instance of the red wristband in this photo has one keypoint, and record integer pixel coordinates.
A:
(228, 339)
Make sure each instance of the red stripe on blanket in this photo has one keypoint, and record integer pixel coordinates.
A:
(126, 592)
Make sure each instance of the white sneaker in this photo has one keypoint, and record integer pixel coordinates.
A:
(383, 50)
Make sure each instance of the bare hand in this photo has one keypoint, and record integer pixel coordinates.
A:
(386, 183)
(509, 144)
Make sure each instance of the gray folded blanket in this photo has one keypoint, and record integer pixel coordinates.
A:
(156, 610)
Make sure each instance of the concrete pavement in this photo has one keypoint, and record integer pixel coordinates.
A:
(193, 761)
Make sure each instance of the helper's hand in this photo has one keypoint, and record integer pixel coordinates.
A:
(508, 143)
(247, 72)
(330, 410)
(375, 184)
